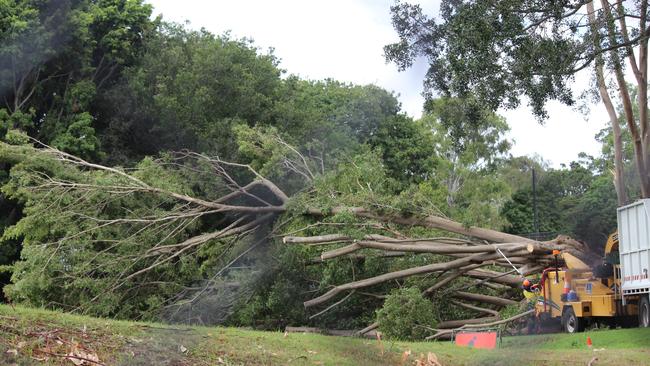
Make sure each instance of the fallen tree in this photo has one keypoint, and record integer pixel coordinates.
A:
(152, 229)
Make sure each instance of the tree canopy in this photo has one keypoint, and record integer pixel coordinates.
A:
(508, 51)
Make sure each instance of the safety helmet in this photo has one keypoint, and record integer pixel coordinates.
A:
(526, 283)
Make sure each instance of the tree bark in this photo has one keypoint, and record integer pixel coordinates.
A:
(447, 279)
(637, 139)
(367, 329)
(444, 249)
(496, 277)
(449, 331)
(435, 222)
(434, 267)
(462, 322)
(483, 298)
(640, 71)
(619, 178)
(494, 313)
(320, 239)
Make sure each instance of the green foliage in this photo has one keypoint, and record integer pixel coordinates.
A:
(332, 112)
(571, 201)
(408, 149)
(87, 269)
(468, 142)
(57, 58)
(405, 315)
(498, 51)
(79, 138)
(16, 120)
(16, 137)
(467, 132)
(188, 91)
(510, 311)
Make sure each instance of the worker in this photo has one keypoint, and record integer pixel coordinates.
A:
(530, 290)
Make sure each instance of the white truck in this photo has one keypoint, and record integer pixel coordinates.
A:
(634, 247)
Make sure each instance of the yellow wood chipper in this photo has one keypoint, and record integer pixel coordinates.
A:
(614, 292)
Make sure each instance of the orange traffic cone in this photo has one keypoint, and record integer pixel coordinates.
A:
(567, 288)
(589, 341)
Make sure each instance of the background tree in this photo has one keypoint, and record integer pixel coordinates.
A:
(504, 50)
(468, 142)
(57, 57)
(188, 90)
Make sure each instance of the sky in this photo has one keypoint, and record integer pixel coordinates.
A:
(344, 39)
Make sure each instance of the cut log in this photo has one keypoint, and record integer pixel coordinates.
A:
(332, 332)
(321, 239)
(531, 268)
(434, 267)
(359, 257)
(494, 286)
(442, 333)
(496, 277)
(478, 247)
(483, 298)
(367, 329)
(424, 247)
(431, 222)
(565, 243)
(459, 323)
(340, 251)
(450, 277)
(497, 322)
(476, 308)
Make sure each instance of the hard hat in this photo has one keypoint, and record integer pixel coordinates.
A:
(526, 283)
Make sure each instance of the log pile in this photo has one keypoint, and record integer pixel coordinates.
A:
(467, 251)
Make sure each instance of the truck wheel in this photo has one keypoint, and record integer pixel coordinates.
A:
(570, 322)
(644, 312)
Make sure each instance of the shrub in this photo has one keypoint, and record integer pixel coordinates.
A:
(406, 314)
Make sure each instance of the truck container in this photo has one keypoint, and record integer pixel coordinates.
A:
(634, 247)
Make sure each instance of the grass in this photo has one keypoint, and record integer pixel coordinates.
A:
(35, 337)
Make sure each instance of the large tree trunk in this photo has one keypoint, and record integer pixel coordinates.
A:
(496, 277)
(435, 222)
(637, 138)
(619, 178)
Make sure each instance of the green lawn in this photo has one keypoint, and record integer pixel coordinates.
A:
(34, 337)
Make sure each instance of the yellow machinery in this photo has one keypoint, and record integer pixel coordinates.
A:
(577, 295)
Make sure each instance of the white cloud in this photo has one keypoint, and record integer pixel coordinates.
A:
(344, 40)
